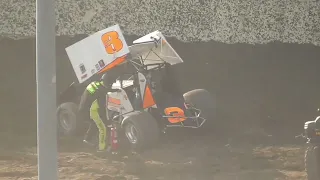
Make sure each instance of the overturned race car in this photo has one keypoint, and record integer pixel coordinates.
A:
(149, 101)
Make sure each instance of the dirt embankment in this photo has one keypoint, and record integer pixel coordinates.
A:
(273, 86)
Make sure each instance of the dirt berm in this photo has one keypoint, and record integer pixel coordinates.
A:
(273, 86)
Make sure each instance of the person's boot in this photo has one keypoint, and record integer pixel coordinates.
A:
(102, 150)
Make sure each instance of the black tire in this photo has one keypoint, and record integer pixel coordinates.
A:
(312, 162)
(67, 119)
(146, 130)
(203, 100)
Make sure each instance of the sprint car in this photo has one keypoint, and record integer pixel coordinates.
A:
(149, 102)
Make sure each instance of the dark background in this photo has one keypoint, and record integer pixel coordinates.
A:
(274, 86)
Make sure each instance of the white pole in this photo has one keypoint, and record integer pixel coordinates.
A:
(46, 90)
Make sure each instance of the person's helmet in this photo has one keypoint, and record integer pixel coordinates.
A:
(108, 80)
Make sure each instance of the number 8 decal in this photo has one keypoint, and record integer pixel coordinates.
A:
(176, 113)
(112, 42)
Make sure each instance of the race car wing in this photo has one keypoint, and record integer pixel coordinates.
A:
(154, 48)
(98, 52)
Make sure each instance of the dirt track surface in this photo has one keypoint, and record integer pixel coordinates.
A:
(181, 158)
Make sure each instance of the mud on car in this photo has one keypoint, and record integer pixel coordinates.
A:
(149, 101)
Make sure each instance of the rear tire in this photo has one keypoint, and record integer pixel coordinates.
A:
(67, 118)
(203, 100)
(141, 130)
(312, 162)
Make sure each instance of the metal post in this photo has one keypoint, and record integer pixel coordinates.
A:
(46, 90)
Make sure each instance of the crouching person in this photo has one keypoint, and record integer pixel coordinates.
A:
(93, 106)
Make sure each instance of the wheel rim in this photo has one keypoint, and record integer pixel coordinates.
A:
(65, 122)
(131, 133)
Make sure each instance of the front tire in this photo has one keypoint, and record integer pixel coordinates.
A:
(203, 100)
(312, 162)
